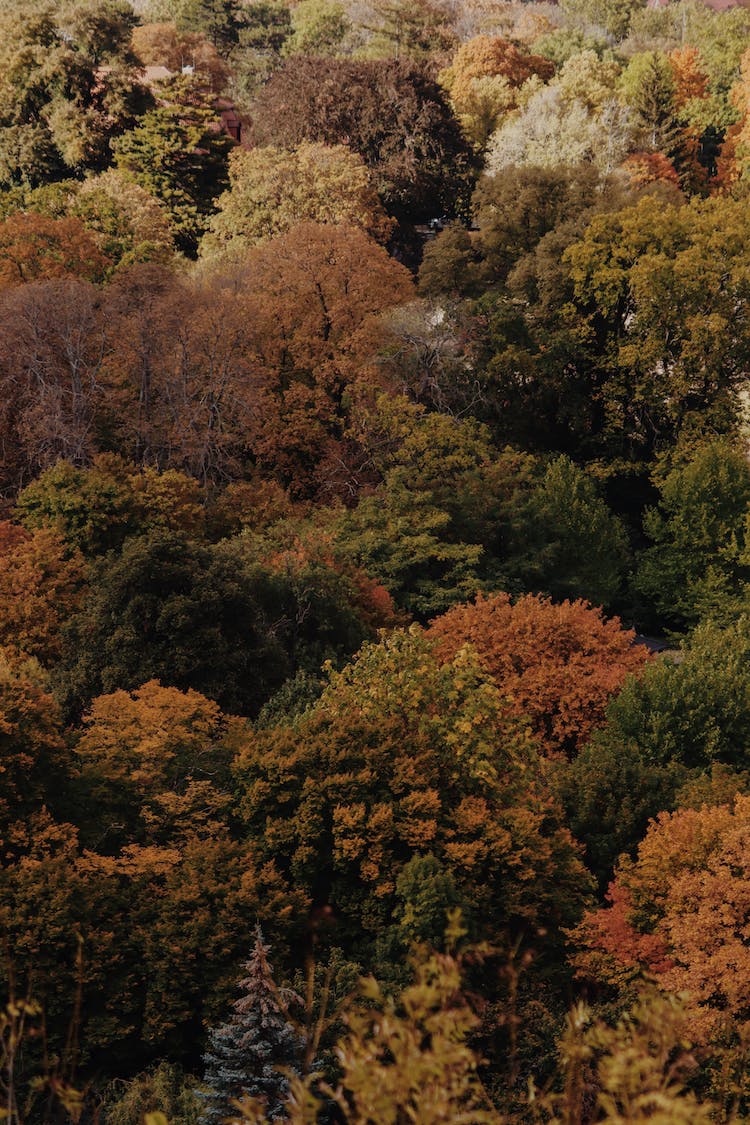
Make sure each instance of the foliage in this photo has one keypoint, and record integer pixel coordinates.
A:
(169, 609)
(425, 1031)
(638, 1070)
(228, 484)
(554, 128)
(567, 543)
(675, 720)
(401, 538)
(319, 27)
(219, 20)
(41, 584)
(248, 1055)
(34, 248)
(675, 911)
(482, 81)
(177, 155)
(95, 509)
(311, 295)
(390, 113)
(163, 1089)
(134, 747)
(272, 190)
(338, 808)
(69, 88)
(696, 566)
(557, 664)
(163, 44)
(611, 16)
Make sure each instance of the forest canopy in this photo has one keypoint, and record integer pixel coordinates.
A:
(374, 562)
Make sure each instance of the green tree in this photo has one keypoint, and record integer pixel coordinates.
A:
(611, 16)
(251, 1055)
(566, 542)
(102, 29)
(654, 315)
(220, 20)
(319, 27)
(92, 509)
(674, 722)
(407, 28)
(402, 538)
(173, 610)
(648, 87)
(59, 110)
(97, 508)
(697, 565)
(179, 157)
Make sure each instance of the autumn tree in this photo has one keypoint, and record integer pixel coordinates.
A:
(690, 79)
(33, 757)
(41, 584)
(182, 374)
(312, 291)
(272, 190)
(638, 1069)
(163, 928)
(53, 345)
(401, 756)
(555, 127)
(128, 223)
(162, 44)
(34, 248)
(487, 56)
(676, 912)
(411, 1053)
(558, 664)
(589, 79)
(482, 81)
(136, 749)
(374, 106)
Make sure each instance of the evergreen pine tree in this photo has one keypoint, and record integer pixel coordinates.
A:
(246, 1054)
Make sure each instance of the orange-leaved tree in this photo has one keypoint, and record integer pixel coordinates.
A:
(558, 664)
(34, 247)
(41, 583)
(136, 747)
(679, 911)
